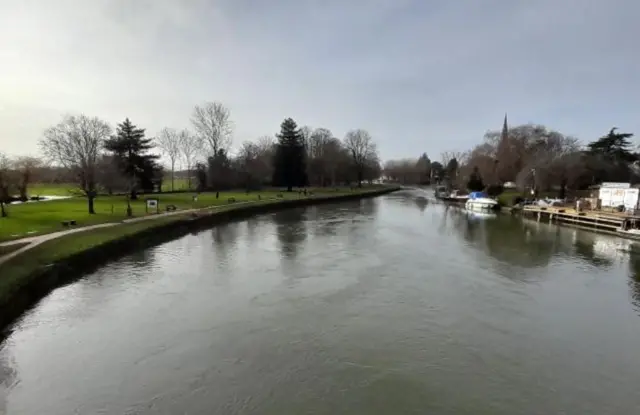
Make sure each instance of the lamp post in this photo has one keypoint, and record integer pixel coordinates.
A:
(534, 191)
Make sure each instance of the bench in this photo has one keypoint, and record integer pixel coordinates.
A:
(279, 196)
(170, 208)
(232, 200)
(67, 223)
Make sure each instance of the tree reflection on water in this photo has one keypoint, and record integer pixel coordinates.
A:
(291, 230)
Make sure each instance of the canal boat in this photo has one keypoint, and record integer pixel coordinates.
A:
(454, 196)
(479, 201)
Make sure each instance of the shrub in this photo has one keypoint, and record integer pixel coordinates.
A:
(494, 190)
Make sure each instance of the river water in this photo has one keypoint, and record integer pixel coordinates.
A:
(392, 305)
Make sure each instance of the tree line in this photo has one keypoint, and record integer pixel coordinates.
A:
(86, 151)
(530, 157)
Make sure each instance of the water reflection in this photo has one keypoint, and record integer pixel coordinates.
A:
(142, 258)
(369, 207)
(634, 275)
(8, 378)
(224, 238)
(421, 202)
(291, 230)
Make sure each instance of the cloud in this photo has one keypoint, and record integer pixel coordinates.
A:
(419, 75)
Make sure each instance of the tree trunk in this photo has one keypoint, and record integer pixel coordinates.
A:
(172, 173)
(132, 188)
(90, 199)
(3, 214)
(23, 193)
(360, 177)
(289, 188)
(563, 189)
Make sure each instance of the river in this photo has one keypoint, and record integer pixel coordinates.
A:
(392, 305)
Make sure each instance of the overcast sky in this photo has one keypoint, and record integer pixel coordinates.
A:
(420, 75)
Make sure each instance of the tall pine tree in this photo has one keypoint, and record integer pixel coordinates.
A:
(290, 157)
(130, 148)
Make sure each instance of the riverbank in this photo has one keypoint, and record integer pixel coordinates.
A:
(31, 219)
(50, 264)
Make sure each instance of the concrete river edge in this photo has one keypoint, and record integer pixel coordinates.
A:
(45, 279)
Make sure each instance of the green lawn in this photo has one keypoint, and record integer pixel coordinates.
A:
(53, 189)
(178, 184)
(29, 219)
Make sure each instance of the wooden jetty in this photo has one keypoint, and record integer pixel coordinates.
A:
(619, 223)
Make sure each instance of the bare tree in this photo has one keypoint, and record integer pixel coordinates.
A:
(249, 163)
(190, 146)
(5, 183)
(266, 152)
(25, 169)
(405, 171)
(75, 143)
(317, 154)
(362, 149)
(212, 122)
(306, 132)
(168, 141)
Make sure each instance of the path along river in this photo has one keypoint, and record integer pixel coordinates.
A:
(392, 305)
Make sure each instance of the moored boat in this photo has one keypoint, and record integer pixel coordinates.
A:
(479, 201)
(454, 196)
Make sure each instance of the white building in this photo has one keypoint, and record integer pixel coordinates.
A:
(613, 195)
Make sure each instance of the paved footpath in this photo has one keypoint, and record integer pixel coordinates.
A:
(34, 241)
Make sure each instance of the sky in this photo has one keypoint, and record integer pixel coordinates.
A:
(419, 75)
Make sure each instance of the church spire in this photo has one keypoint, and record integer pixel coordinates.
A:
(505, 128)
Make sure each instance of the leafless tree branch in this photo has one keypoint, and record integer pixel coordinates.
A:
(75, 143)
(213, 125)
(168, 141)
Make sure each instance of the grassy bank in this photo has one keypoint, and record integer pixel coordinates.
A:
(36, 218)
(29, 276)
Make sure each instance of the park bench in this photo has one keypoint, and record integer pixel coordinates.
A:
(232, 200)
(170, 208)
(67, 223)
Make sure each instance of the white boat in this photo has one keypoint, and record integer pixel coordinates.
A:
(480, 202)
(454, 196)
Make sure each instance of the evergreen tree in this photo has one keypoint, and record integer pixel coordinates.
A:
(130, 148)
(437, 171)
(219, 171)
(424, 168)
(610, 157)
(452, 169)
(289, 160)
(475, 183)
(614, 146)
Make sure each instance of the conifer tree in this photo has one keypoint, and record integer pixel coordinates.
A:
(130, 148)
(290, 157)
